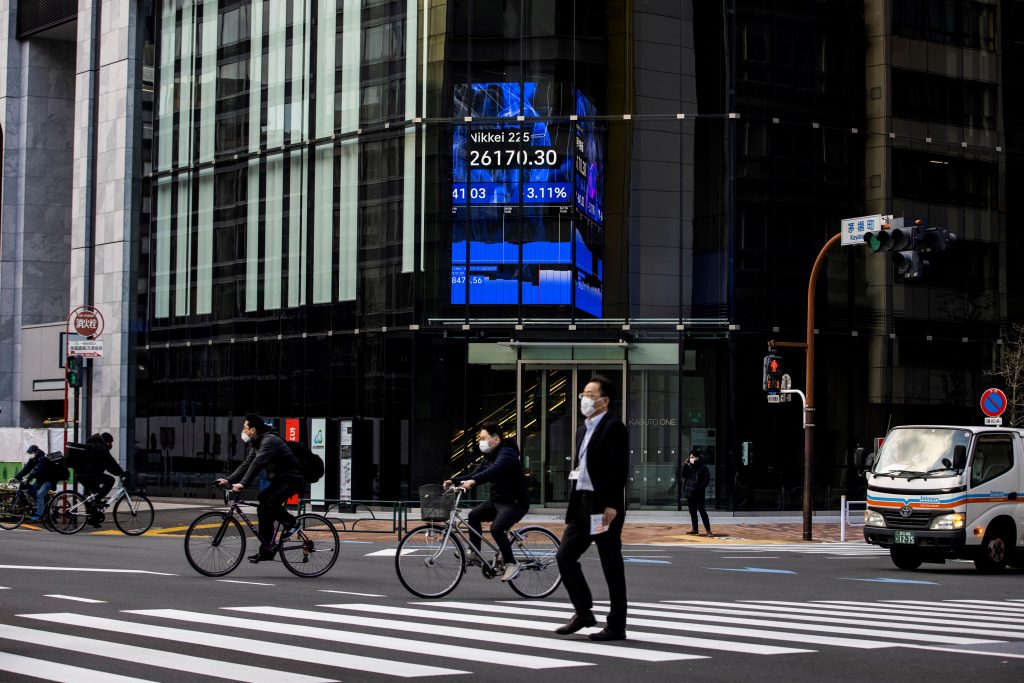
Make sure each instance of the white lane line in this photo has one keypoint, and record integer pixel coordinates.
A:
(447, 631)
(72, 597)
(549, 626)
(388, 552)
(990, 653)
(747, 557)
(365, 639)
(710, 624)
(83, 569)
(51, 671)
(256, 647)
(142, 655)
(249, 583)
(5, 588)
(938, 614)
(955, 608)
(362, 595)
(988, 604)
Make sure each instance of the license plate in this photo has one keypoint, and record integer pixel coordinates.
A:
(905, 537)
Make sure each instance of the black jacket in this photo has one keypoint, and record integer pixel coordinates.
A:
(97, 459)
(47, 470)
(607, 465)
(503, 470)
(26, 471)
(696, 478)
(266, 451)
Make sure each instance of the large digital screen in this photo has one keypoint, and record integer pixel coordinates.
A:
(515, 236)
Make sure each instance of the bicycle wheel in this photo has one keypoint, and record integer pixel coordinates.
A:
(133, 523)
(313, 549)
(210, 552)
(12, 512)
(67, 512)
(535, 550)
(424, 567)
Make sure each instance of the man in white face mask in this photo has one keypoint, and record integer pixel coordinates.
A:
(510, 497)
(599, 495)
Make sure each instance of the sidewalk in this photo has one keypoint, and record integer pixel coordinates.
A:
(642, 526)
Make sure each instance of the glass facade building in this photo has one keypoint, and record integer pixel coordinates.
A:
(382, 223)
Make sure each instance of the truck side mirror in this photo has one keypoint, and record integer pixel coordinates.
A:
(959, 457)
(858, 458)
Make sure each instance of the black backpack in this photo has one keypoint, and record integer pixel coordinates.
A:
(76, 455)
(309, 462)
(57, 464)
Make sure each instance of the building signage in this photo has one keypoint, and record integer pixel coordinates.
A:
(86, 321)
(85, 348)
(318, 444)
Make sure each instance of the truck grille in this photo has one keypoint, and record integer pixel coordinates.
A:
(916, 520)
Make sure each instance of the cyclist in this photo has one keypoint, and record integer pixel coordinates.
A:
(28, 473)
(44, 476)
(91, 472)
(268, 451)
(510, 498)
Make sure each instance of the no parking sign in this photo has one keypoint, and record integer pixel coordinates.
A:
(993, 403)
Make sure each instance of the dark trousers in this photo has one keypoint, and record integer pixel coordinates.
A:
(502, 517)
(272, 509)
(696, 504)
(100, 484)
(575, 540)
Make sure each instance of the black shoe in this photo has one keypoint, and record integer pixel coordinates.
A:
(576, 623)
(261, 557)
(692, 533)
(289, 532)
(605, 634)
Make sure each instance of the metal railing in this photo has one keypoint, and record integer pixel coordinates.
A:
(844, 515)
(350, 513)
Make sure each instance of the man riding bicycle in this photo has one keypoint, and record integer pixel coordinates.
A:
(91, 469)
(39, 476)
(269, 452)
(510, 497)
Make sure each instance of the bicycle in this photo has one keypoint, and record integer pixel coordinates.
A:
(16, 505)
(215, 542)
(70, 510)
(431, 559)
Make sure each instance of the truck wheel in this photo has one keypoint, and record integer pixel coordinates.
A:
(905, 558)
(993, 552)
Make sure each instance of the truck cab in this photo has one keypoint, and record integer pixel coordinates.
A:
(938, 492)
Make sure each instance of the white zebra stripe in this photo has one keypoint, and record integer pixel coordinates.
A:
(638, 636)
(365, 639)
(444, 630)
(53, 671)
(141, 655)
(256, 647)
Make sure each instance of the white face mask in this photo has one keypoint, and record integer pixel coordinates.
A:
(587, 406)
(245, 437)
(485, 445)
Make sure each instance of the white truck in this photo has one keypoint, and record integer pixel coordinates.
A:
(947, 492)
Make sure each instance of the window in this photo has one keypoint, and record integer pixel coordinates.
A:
(993, 456)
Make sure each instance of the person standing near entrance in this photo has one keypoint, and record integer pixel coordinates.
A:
(597, 505)
(696, 478)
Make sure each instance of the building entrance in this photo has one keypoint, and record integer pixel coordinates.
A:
(548, 417)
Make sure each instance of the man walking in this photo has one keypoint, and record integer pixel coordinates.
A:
(597, 511)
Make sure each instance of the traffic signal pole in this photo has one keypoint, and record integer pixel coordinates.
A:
(808, 397)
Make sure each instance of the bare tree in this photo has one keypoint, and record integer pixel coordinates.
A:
(1010, 367)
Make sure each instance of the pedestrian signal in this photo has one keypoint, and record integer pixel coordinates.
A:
(771, 376)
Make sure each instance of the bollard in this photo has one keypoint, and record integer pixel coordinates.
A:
(842, 518)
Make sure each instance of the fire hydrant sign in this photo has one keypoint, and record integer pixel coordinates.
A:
(86, 321)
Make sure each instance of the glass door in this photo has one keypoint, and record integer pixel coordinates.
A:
(549, 417)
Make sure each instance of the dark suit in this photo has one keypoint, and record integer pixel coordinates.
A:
(608, 466)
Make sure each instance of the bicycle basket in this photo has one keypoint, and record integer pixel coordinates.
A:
(435, 506)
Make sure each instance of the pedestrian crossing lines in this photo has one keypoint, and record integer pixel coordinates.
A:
(839, 549)
(419, 639)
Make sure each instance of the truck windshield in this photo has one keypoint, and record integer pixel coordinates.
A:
(919, 451)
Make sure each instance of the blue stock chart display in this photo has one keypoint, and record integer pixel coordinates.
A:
(515, 236)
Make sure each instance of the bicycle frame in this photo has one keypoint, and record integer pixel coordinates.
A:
(119, 493)
(455, 525)
(236, 507)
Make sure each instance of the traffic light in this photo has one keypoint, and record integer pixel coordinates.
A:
(905, 253)
(936, 239)
(73, 372)
(889, 237)
(771, 375)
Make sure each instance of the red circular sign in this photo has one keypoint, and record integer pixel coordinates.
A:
(87, 322)
(993, 402)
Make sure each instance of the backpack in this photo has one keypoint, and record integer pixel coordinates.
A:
(57, 464)
(75, 456)
(309, 462)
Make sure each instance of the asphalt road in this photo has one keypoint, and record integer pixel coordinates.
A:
(98, 606)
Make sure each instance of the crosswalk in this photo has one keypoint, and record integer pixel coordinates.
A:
(419, 639)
